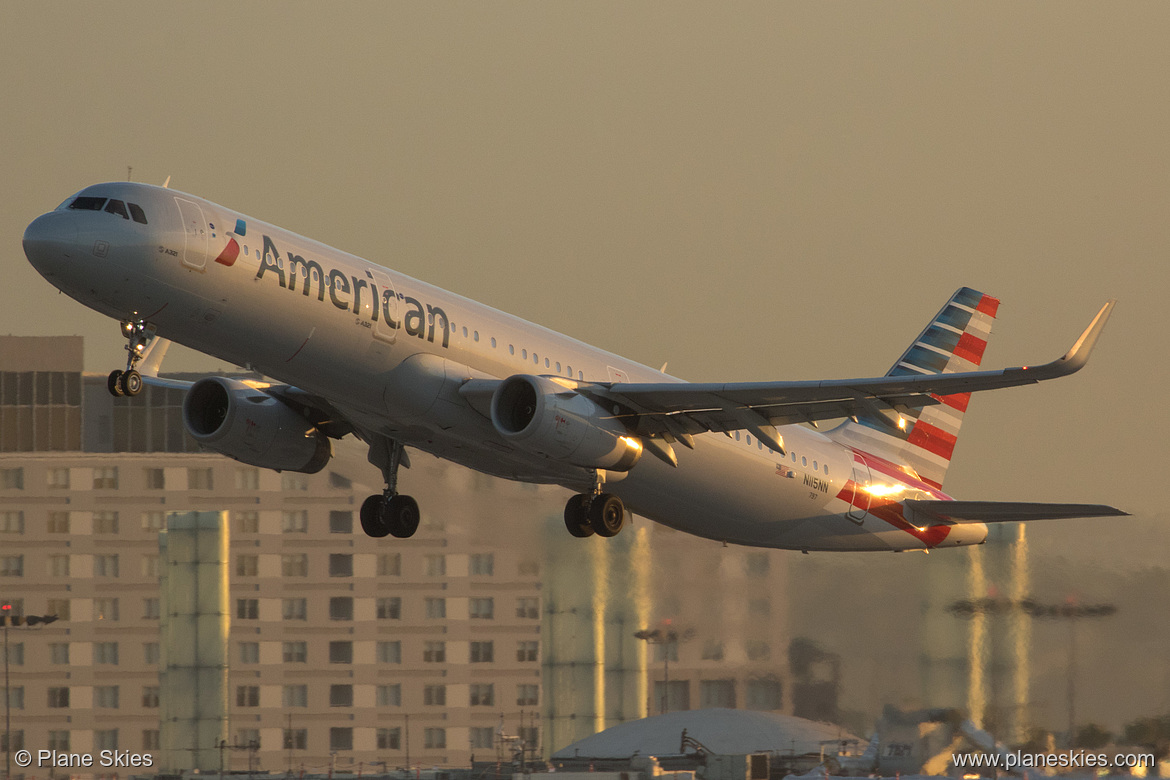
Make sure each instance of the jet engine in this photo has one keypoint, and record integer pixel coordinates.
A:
(253, 427)
(561, 424)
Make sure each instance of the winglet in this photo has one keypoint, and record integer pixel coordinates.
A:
(1076, 358)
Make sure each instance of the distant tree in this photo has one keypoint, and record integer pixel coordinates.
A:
(1092, 735)
(1153, 733)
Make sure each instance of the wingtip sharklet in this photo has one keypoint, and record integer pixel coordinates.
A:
(1078, 355)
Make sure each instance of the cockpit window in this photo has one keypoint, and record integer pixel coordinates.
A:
(137, 213)
(117, 207)
(85, 203)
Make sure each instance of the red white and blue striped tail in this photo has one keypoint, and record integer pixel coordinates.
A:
(954, 341)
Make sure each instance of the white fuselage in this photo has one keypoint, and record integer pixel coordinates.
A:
(391, 353)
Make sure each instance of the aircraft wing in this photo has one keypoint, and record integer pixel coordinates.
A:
(926, 512)
(680, 408)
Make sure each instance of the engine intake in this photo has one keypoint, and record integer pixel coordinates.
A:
(561, 424)
(249, 425)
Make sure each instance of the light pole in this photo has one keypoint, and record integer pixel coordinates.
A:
(665, 638)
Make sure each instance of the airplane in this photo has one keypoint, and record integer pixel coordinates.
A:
(355, 348)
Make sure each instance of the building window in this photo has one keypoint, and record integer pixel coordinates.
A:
(59, 740)
(105, 478)
(59, 607)
(105, 739)
(389, 652)
(58, 565)
(527, 695)
(295, 652)
(717, 693)
(296, 739)
(341, 608)
(528, 608)
(435, 695)
(295, 696)
(760, 608)
(153, 521)
(105, 697)
(390, 739)
(389, 608)
(13, 479)
(436, 608)
(58, 523)
(156, 479)
(151, 739)
(294, 609)
(528, 567)
(482, 608)
(434, 739)
(295, 565)
(293, 480)
(482, 652)
(247, 522)
(483, 564)
(530, 737)
(390, 565)
(247, 565)
(15, 654)
(11, 522)
(389, 695)
(435, 652)
(527, 650)
(58, 698)
(16, 697)
(340, 738)
(150, 609)
(249, 652)
(150, 652)
(150, 696)
(712, 650)
(295, 522)
(341, 522)
(435, 565)
(765, 694)
(481, 737)
(105, 565)
(666, 651)
(105, 522)
(59, 653)
(341, 652)
(149, 565)
(199, 479)
(57, 479)
(247, 478)
(105, 609)
(340, 565)
(247, 609)
(758, 650)
(673, 697)
(247, 695)
(249, 738)
(105, 653)
(483, 695)
(340, 695)
(756, 564)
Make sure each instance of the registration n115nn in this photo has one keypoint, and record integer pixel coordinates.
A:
(355, 348)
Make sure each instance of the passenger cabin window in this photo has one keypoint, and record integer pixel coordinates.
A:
(117, 207)
(88, 204)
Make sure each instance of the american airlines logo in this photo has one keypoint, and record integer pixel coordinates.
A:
(419, 320)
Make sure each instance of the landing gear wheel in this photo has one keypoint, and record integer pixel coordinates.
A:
(130, 383)
(114, 384)
(607, 514)
(371, 517)
(577, 516)
(401, 516)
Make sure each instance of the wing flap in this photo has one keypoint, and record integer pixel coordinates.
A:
(924, 512)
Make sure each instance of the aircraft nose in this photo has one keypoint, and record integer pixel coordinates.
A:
(49, 239)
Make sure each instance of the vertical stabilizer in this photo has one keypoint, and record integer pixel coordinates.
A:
(954, 341)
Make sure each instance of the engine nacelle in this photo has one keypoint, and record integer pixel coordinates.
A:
(561, 424)
(251, 426)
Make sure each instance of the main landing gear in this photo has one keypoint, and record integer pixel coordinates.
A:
(129, 382)
(389, 514)
(598, 513)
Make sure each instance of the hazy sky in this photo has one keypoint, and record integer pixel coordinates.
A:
(748, 191)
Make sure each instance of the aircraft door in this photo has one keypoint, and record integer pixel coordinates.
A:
(859, 505)
(386, 322)
(194, 234)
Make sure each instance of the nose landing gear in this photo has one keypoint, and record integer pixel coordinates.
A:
(389, 514)
(139, 334)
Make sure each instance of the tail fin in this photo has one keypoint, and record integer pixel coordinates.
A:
(953, 341)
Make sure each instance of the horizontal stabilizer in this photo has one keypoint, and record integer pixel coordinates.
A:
(926, 512)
